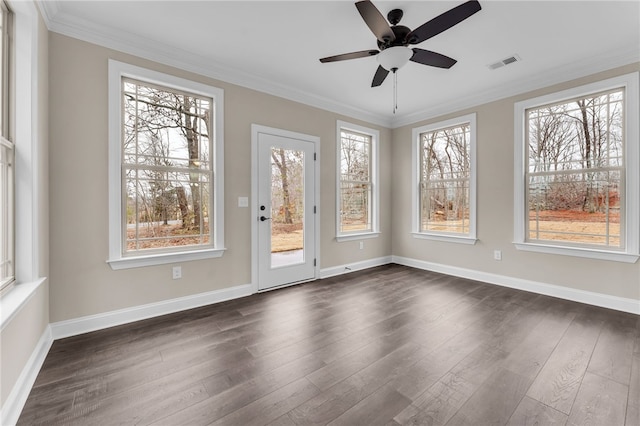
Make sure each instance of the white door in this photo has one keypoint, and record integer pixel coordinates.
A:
(285, 222)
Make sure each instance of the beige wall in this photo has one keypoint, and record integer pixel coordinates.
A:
(20, 337)
(495, 210)
(81, 282)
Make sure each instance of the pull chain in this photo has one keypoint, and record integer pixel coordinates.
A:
(395, 90)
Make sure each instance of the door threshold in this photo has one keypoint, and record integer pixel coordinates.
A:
(286, 285)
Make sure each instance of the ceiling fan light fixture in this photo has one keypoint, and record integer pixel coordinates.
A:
(394, 58)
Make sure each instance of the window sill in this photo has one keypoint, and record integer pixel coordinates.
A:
(354, 237)
(163, 258)
(445, 238)
(15, 299)
(579, 252)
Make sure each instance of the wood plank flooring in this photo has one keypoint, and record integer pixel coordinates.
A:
(386, 346)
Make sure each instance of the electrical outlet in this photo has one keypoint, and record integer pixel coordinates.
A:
(177, 272)
(361, 245)
(497, 255)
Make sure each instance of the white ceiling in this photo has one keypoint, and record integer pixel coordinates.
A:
(275, 46)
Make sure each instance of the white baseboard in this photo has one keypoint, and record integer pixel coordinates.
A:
(18, 397)
(567, 293)
(89, 323)
(352, 267)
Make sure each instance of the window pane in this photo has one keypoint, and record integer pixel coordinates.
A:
(575, 163)
(581, 208)
(287, 207)
(165, 128)
(445, 207)
(445, 173)
(446, 153)
(355, 186)
(166, 209)
(355, 157)
(355, 207)
(167, 165)
(586, 133)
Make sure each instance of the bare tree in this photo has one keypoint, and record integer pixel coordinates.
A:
(166, 142)
(446, 168)
(280, 160)
(355, 180)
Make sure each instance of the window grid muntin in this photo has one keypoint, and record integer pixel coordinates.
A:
(207, 239)
(425, 225)
(619, 169)
(348, 185)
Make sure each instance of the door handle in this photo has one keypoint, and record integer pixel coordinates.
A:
(262, 218)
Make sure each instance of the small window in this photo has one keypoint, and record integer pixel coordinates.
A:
(7, 153)
(357, 182)
(575, 161)
(444, 180)
(168, 170)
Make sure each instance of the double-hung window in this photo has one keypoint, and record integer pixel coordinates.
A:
(166, 168)
(444, 180)
(577, 171)
(7, 153)
(357, 201)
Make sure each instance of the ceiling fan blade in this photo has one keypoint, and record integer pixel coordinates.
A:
(443, 22)
(434, 59)
(352, 55)
(375, 21)
(379, 77)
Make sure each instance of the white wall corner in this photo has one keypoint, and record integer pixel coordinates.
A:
(18, 396)
(561, 292)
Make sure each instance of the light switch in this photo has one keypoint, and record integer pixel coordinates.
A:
(243, 201)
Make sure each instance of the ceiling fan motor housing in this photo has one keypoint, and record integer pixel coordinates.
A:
(401, 32)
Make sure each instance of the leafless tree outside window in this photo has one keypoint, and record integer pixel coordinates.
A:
(575, 163)
(355, 182)
(444, 179)
(167, 167)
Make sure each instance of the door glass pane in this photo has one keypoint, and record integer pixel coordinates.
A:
(287, 207)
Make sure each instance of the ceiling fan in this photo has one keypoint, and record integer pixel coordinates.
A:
(394, 40)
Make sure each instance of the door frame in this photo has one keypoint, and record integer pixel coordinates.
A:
(256, 130)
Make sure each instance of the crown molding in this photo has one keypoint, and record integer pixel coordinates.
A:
(592, 65)
(145, 48)
(48, 10)
(125, 42)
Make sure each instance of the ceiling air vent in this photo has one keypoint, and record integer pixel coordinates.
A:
(506, 61)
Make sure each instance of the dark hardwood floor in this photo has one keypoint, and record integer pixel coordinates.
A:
(387, 346)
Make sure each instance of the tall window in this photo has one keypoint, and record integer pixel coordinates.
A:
(167, 164)
(7, 153)
(445, 180)
(357, 182)
(575, 182)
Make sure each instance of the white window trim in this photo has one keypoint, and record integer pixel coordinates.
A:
(28, 275)
(375, 186)
(632, 176)
(471, 237)
(116, 260)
